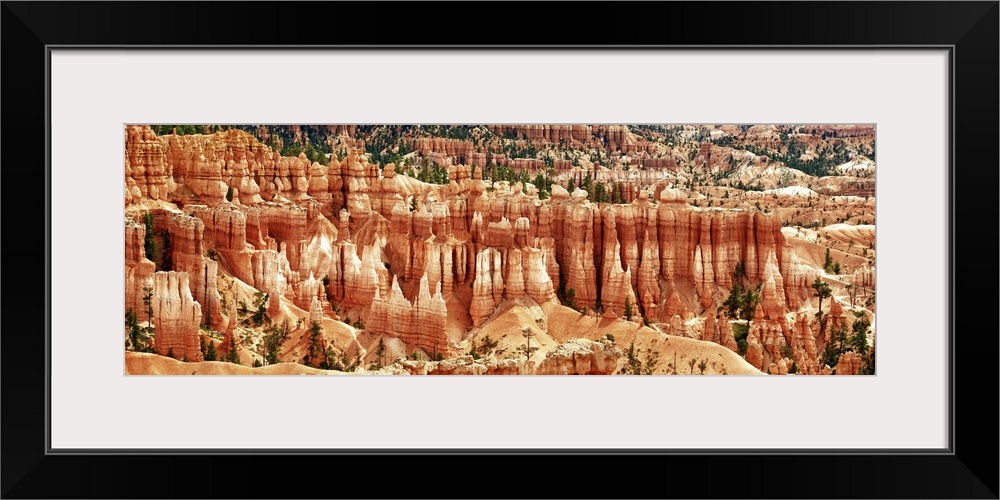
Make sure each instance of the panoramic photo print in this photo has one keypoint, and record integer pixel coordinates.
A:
(570, 249)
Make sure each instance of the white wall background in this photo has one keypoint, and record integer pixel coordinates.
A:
(95, 92)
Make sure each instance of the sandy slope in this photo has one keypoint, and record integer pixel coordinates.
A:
(838, 239)
(565, 323)
(507, 328)
(864, 233)
(151, 364)
(560, 323)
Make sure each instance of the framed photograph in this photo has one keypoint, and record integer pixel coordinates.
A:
(363, 210)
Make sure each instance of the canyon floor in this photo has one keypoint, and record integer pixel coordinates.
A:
(506, 250)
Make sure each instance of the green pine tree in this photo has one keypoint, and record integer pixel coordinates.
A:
(152, 251)
(859, 339)
(210, 354)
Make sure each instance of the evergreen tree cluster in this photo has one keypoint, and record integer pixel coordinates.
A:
(140, 338)
(387, 144)
(181, 129)
(856, 341)
(743, 299)
(791, 150)
(259, 313)
(317, 349)
(544, 185)
(274, 335)
(232, 355)
(151, 248)
(483, 348)
(208, 350)
(313, 154)
(601, 193)
(497, 173)
(829, 265)
(430, 172)
(158, 247)
(740, 333)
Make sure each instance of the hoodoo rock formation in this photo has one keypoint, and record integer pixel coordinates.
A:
(176, 315)
(138, 269)
(420, 324)
(250, 242)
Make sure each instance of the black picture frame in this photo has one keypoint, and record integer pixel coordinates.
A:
(968, 29)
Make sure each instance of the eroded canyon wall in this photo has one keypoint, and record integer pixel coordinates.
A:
(402, 255)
